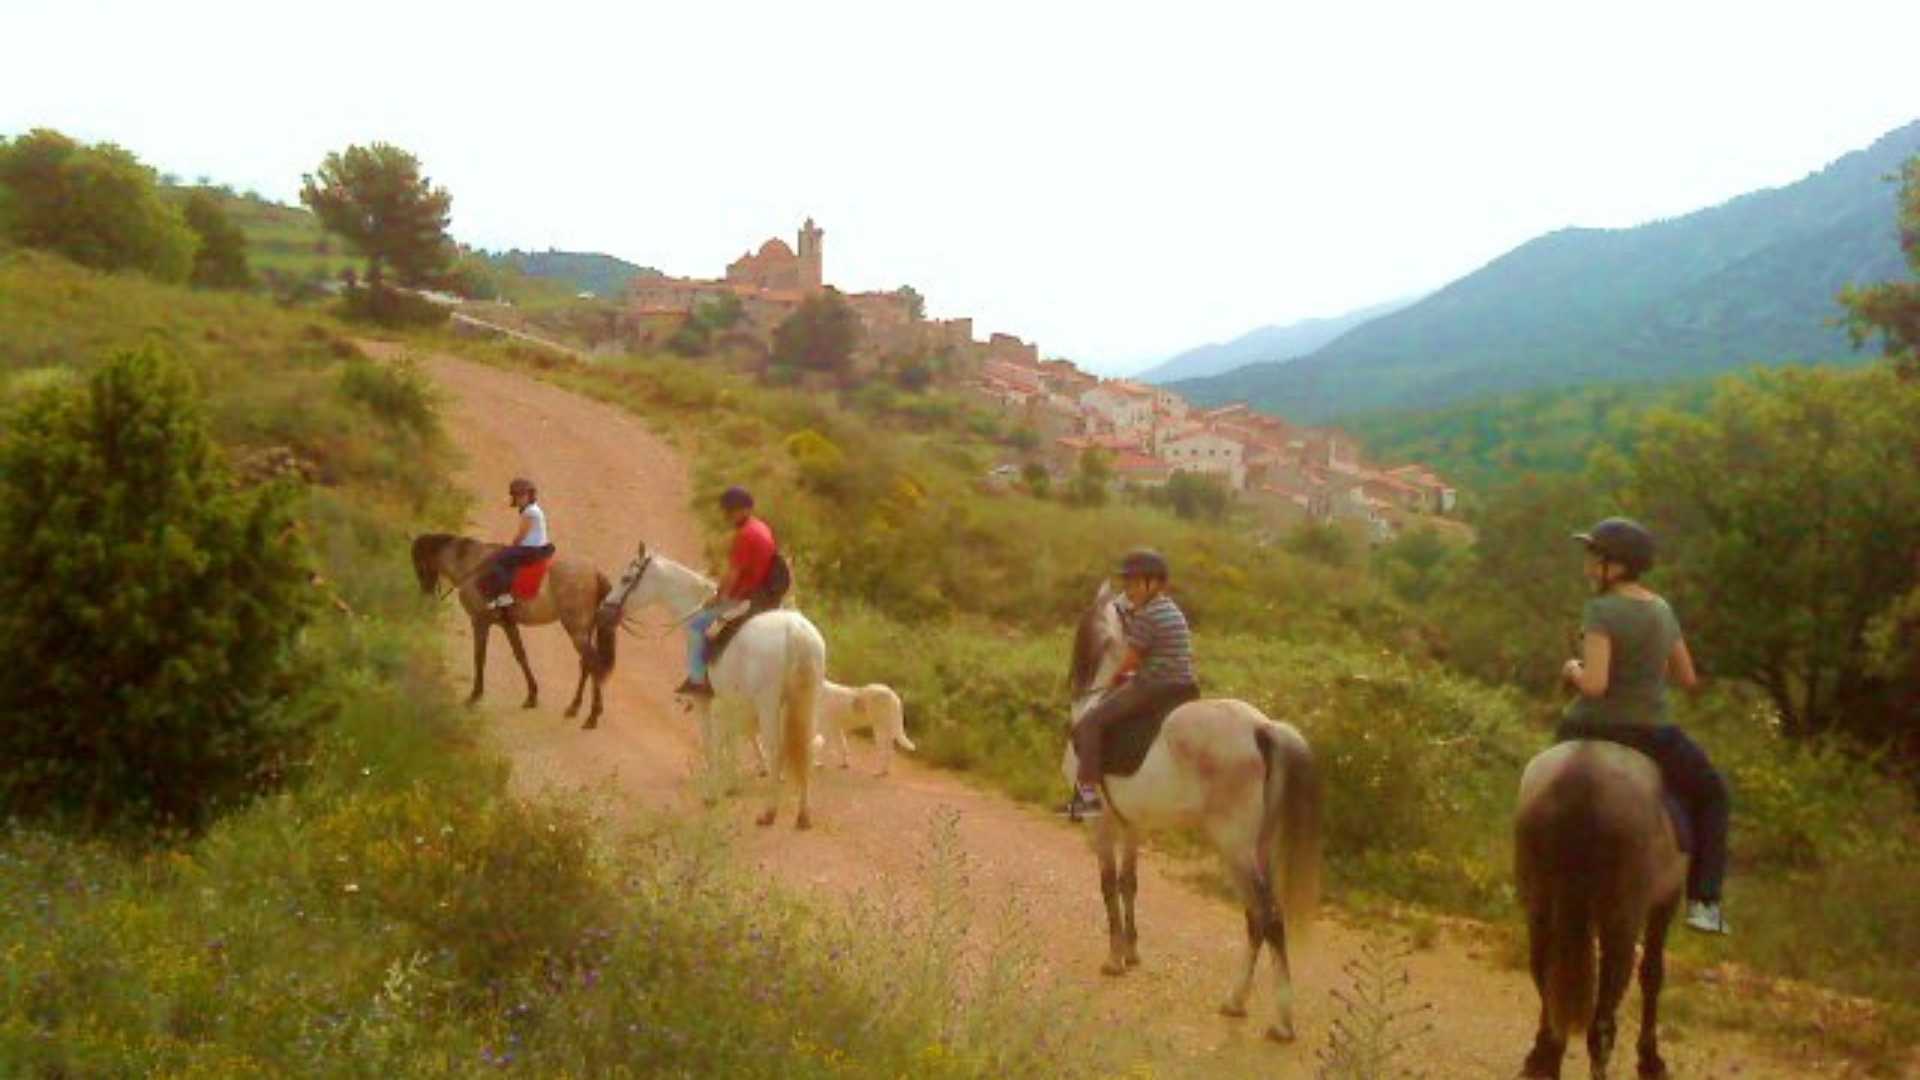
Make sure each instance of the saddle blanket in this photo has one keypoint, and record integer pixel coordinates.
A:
(527, 579)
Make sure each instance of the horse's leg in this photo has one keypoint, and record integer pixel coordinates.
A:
(1617, 939)
(1276, 934)
(593, 714)
(1129, 887)
(1236, 1003)
(1104, 841)
(1653, 972)
(768, 713)
(582, 646)
(520, 653)
(1543, 1061)
(482, 627)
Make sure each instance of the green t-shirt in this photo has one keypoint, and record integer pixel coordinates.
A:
(1642, 633)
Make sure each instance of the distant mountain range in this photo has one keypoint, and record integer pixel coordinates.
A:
(1275, 344)
(602, 275)
(1749, 281)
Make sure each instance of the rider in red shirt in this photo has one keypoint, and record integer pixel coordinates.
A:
(747, 568)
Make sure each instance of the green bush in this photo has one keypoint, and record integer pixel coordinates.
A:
(160, 605)
(96, 205)
(391, 308)
(397, 393)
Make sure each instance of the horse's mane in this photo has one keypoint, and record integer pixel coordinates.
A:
(1089, 646)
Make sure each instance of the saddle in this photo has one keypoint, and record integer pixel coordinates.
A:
(528, 578)
(768, 597)
(1637, 739)
(1124, 745)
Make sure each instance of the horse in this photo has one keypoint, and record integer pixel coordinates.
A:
(777, 661)
(1595, 854)
(1249, 783)
(570, 594)
(847, 708)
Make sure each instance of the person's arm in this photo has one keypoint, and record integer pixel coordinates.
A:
(526, 526)
(1680, 670)
(1589, 673)
(1129, 664)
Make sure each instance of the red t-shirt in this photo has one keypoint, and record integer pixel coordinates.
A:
(752, 557)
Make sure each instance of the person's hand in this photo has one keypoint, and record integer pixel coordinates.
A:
(1570, 671)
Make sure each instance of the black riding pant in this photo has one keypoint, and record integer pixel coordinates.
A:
(1134, 699)
(1686, 771)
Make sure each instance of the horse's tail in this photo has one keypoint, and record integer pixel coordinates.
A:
(1569, 865)
(806, 671)
(1290, 822)
(606, 627)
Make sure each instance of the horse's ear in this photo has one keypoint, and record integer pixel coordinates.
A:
(643, 550)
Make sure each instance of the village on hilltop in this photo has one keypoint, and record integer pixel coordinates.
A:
(1285, 472)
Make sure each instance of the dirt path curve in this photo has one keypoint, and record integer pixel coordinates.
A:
(608, 481)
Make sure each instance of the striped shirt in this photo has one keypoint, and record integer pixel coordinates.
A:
(1159, 633)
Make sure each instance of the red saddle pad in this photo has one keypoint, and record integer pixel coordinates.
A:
(527, 579)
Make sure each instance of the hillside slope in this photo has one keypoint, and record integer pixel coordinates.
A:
(1750, 280)
(1267, 344)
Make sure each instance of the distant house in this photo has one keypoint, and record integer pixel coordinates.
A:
(1206, 452)
(1119, 407)
(1133, 467)
(1437, 496)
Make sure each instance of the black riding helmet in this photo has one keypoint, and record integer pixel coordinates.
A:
(1621, 540)
(1144, 562)
(736, 498)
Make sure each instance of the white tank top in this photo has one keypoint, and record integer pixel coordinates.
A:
(537, 531)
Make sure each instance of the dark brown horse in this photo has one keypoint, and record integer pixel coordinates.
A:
(570, 595)
(1596, 855)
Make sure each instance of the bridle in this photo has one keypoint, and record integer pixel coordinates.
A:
(616, 609)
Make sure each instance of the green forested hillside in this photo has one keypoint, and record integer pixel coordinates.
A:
(584, 271)
(1749, 281)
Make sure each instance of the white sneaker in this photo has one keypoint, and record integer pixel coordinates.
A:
(1706, 918)
(505, 599)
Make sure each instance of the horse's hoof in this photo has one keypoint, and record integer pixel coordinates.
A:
(572, 711)
(1237, 1012)
(803, 822)
(1280, 1034)
(473, 701)
(530, 703)
(1653, 1070)
(1113, 967)
(1133, 959)
(764, 819)
(592, 722)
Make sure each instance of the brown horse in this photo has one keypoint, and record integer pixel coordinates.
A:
(1596, 855)
(571, 594)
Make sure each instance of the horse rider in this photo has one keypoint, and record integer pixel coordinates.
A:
(748, 566)
(1631, 648)
(1156, 674)
(530, 544)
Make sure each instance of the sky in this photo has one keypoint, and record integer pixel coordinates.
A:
(1117, 182)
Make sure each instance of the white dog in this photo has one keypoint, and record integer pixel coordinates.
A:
(846, 708)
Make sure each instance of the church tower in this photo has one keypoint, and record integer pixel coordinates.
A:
(811, 273)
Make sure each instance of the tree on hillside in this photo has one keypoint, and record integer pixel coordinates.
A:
(820, 335)
(161, 607)
(1891, 311)
(1197, 496)
(96, 205)
(916, 304)
(375, 199)
(1789, 515)
(1093, 477)
(221, 261)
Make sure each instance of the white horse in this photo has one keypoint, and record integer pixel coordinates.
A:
(777, 662)
(1250, 784)
(849, 708)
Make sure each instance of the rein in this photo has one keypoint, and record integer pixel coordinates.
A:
(620, 606)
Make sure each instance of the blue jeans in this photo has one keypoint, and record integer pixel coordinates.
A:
(697, 643)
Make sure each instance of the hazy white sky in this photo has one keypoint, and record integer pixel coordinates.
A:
(1118, 182)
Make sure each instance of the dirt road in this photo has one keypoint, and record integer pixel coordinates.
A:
(608, 482)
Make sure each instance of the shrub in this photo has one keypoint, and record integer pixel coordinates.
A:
(396, 393)
(160, 604)
(391, 308)
(96, 205)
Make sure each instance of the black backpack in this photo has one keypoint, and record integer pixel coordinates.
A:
(773, 590)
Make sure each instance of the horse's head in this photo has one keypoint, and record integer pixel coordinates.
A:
(1099, 644)
(426, 559)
